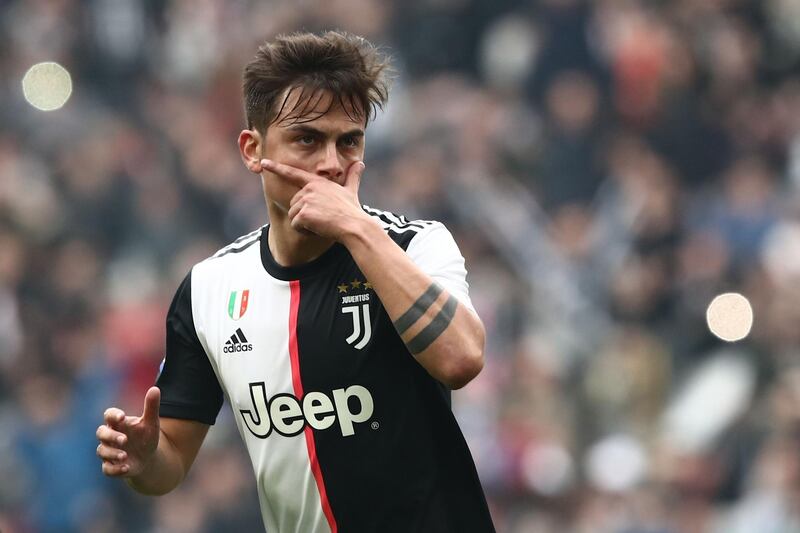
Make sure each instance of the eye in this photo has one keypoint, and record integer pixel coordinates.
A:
(306, 140)
(351, 141)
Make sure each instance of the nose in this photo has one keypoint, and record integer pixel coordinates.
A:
(329, 165)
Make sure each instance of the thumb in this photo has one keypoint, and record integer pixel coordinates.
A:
(152, 402)
(353, 178)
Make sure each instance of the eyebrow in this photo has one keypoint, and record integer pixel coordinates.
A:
(301, 128)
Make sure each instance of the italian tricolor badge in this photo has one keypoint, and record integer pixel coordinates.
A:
(237, 304)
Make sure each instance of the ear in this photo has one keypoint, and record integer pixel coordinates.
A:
(250, 150)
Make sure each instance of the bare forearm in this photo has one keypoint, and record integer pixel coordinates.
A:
(445, 336)
(162, 473)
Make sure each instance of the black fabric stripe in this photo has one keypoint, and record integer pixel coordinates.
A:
(237, 250)
(371, 210)
(189, 386)
(384, 215)
(411, 225)
(240, 334)
(235, 246)
(399, 225)
(404, 220)
(432, 331)
(250, 235)
(245, 237)
(383, 218)
(418, 308)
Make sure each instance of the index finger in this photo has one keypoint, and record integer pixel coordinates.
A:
(113, 416)
(293, 175)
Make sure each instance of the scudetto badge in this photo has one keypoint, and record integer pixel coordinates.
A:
(237, 303)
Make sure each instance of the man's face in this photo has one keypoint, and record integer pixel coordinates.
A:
(326, 145)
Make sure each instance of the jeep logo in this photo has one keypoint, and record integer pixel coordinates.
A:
(288, 416)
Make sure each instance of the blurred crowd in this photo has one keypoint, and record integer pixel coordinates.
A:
(606, 166)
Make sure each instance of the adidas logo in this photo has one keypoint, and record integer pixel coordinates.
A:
(237, 343)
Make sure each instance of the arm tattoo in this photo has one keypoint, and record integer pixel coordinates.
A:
(418, 308)
(437, 326)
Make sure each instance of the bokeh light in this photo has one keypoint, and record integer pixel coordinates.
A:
(730, 316)
(616, 463)
(47, 86)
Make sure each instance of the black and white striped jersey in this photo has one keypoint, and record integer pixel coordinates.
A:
(345, 430)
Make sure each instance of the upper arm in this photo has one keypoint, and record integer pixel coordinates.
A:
(189, 386)
(436, 253)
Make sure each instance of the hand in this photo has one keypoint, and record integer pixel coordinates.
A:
(322, 206)
(127, 443)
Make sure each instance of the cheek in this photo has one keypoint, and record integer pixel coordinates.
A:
(282, 150)
(355, 154)
(277, 190)
(295, 157)
(350, 156)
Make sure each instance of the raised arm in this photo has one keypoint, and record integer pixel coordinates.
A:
(445, 336)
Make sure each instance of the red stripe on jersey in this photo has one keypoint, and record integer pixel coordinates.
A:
(298, 392)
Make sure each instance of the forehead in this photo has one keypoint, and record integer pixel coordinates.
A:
(301, 105)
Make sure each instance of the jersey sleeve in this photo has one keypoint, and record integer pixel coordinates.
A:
(189, 387)
(435, 251)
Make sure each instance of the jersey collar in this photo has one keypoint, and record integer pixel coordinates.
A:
(290, 273)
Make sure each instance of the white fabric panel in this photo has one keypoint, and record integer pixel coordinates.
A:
(281, 463)
(435, 251)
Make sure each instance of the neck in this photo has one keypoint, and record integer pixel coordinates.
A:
(290, 247)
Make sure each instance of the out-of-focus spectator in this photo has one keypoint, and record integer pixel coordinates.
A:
(607, 167)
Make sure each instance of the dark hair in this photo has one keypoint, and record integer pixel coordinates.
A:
(342, 65)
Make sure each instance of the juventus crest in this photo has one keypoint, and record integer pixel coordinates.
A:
(361, 335)
(356, 304)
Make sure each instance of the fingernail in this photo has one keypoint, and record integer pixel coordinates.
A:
(124, 468)
(266, 163)
(120, 456)
(121, 440)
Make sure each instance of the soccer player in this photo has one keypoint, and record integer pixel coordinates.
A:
(336, 331)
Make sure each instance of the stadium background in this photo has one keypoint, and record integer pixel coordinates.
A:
(607, 168)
